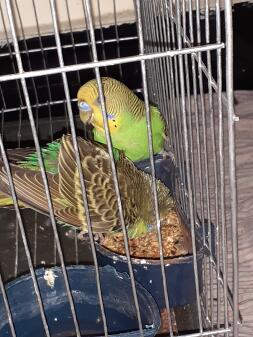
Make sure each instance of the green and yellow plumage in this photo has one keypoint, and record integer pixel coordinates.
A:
(66, 193)
(126, 118)
(50, 156)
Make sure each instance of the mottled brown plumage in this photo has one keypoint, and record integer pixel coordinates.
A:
(65, 189)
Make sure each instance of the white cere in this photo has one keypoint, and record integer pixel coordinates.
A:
(50, 276)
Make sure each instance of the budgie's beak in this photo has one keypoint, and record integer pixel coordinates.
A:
(85, 111)
(86, 117)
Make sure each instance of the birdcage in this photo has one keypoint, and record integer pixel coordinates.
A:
(176, 55)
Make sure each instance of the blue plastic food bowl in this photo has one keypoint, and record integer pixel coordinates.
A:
(179, 275)
(117, 297)
(165, 170)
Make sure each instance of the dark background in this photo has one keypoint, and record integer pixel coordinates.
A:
(11, 94)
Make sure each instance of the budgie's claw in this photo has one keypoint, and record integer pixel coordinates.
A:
(83, 236)
(99, 237)
(168, 154)
(165, 137)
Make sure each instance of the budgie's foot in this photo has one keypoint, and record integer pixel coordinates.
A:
(99, 237)
(165, 137)
(168, 154)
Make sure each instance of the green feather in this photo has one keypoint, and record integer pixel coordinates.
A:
(50, 155)
(140, 228)
(132, 137)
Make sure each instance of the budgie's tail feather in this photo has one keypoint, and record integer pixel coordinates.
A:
(5, 201)
(14, 156)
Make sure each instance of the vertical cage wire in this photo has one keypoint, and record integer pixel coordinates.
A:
(43, 173)
(205, 158)
(150, 146)
(24, 238)
(72, 40)
(79, 166)
(221, 165)
(186, 90)
(113, 167)
(232, 175)
(211, 205)
(101, 33)
(178, 122)
(188, 174)
(7, 307)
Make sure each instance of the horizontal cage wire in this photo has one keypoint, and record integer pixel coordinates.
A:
(148, 247)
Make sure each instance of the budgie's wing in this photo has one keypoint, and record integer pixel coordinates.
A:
(65, 187)
(14, 156)
(99, 184)
(19, 154)
(30, 190)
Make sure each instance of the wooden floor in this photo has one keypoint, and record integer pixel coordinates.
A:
(244, 146)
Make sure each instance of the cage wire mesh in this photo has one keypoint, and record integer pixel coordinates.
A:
(175, 54)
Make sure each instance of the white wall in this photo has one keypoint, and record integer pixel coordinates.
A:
(124, 10)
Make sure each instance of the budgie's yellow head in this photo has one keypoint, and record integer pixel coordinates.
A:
(121, 103)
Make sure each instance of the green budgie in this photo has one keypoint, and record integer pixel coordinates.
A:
(126, 118)
(66, 193)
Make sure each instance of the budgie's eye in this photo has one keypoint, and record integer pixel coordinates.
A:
(84, 106)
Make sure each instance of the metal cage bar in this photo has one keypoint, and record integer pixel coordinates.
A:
(189, 187)
(79, 164)
(91, 65)
(150, 146)
(231, 137)
(113, 167)
(37, 146)
(177, 74)
(7, 307)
